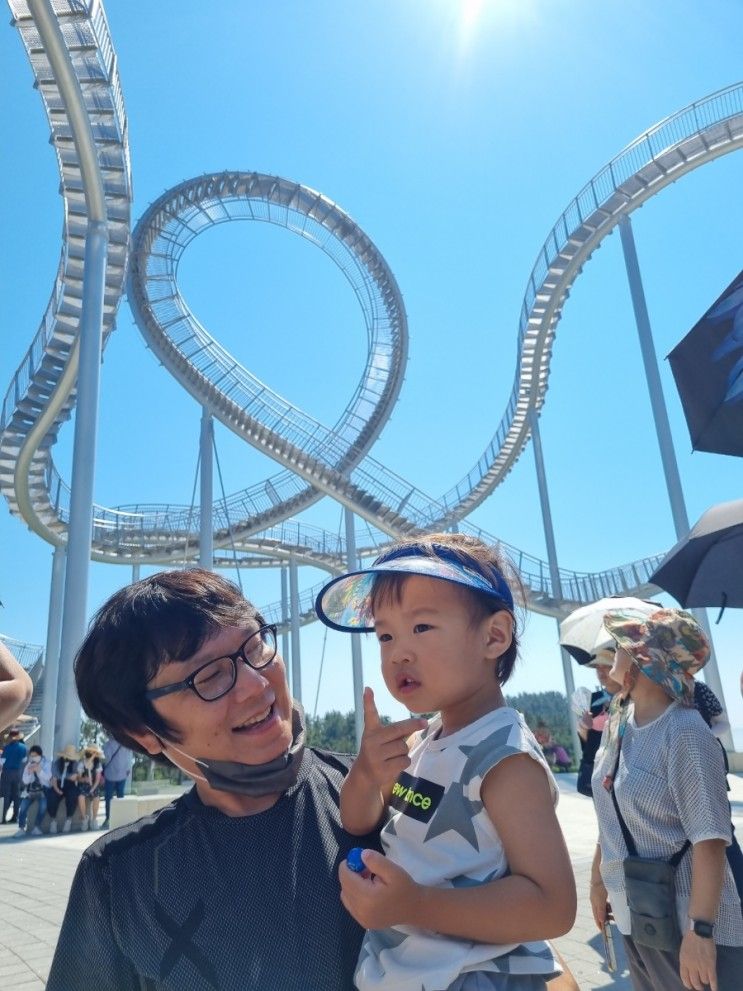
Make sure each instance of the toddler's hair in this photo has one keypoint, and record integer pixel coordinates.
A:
(472, 553)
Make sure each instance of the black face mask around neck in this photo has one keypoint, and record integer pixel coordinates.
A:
(272, 778)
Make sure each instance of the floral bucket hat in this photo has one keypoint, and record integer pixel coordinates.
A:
(668, 646)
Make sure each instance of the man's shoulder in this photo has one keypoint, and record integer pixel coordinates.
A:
(148, 830)
(331, 762)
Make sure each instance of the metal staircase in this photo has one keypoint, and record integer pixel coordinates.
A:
(316, 459)
(42, 394)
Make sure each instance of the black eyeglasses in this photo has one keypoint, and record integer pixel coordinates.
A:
(215, 678)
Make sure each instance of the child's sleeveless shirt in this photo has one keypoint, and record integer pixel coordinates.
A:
(440, 833)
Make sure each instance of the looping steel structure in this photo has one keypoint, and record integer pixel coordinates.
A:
(316, 460)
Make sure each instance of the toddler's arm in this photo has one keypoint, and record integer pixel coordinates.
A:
(382, 756)
(535, 901)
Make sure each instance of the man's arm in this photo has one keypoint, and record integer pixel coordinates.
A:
(15, 687)
(87, 957)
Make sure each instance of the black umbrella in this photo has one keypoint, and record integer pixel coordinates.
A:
(706, 567)
(708, 368)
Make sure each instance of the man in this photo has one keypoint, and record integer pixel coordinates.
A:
(14, 757)
(234, 885)
(117, 768)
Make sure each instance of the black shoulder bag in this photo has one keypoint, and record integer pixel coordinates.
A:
(651, 891)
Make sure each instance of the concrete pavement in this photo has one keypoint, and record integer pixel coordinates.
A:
(36, 874)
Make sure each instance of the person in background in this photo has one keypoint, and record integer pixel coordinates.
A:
(37, 777)
(710, 709)
(16, 687)
(89, 783)
(64, 786)
(14, 757)
(660, 766)
(557, 755)
(592, 722)
(117, 766)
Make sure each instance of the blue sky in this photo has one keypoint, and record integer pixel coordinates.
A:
(454, 133)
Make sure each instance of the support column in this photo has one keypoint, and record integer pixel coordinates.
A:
(356, 660)
(549, 539)
(206, 478)
(285, 616)
(665, 439)
(294, 606)
(51, 653)
(135, 573)
(79, 539)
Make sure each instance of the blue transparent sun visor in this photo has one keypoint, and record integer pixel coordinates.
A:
(345, 603)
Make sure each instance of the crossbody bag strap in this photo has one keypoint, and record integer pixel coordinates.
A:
(675, 860)
(628, 838)
(111, 758)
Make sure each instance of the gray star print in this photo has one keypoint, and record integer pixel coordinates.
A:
(487, 753)
(455, 812)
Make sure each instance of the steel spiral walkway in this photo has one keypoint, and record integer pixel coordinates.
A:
(316, 460)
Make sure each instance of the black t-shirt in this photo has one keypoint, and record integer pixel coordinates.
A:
(189, 899)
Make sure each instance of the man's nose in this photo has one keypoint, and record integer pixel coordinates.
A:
(249, 681)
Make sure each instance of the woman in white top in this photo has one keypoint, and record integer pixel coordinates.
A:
(666, 771)
(36, 778)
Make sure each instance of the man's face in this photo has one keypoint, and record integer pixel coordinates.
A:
(251, 724)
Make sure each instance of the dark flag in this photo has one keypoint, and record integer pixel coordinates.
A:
(708, 368)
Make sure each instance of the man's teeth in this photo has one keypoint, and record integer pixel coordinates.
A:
(256, 719)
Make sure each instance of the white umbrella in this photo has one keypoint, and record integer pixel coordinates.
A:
(583, 633)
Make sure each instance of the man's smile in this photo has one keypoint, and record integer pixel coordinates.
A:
(258, 721)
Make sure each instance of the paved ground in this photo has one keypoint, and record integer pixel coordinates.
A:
(36, 876)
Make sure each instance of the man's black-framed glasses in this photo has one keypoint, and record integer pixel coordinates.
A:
(215, 678)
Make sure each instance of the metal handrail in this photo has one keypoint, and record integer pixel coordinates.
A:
(341, 465)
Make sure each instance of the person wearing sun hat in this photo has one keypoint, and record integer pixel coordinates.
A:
(666, 772)
(89, 785)
(64, 785)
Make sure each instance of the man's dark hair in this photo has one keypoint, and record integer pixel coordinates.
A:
(36, 749)
(166, 617)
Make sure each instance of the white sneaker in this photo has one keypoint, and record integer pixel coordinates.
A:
(67, 826)
(84, 825)
(53, 827)
(19, 833)
(36, 831)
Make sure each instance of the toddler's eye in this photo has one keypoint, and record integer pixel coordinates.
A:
(384, 638)
(421, 627)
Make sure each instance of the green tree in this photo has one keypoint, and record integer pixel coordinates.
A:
(91, 732)
(551, 708)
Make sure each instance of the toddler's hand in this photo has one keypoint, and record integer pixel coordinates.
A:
(383, 754)
(387, 897)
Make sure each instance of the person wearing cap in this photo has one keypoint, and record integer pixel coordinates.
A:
(591, 724)
(666, 772)
(37, 777)
(14, 757)
(233, 885)
(66, 771)
(475, 877)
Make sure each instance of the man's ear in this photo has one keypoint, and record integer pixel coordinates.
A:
(499, 633)
(148, 740)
